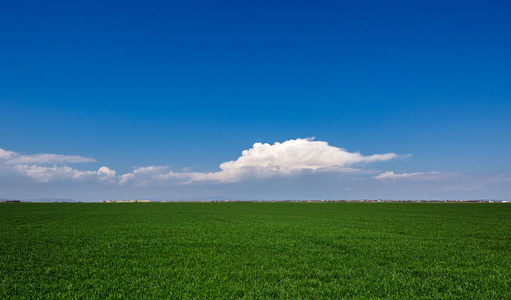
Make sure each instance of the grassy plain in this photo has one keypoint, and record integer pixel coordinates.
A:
(263, 250)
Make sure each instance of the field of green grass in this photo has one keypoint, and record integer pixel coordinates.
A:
(263, 250)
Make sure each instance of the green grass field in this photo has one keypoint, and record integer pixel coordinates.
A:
(255, 250)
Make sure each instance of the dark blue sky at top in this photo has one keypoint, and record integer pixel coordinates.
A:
(194, 83)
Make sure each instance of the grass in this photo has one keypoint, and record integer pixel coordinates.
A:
(255, 250)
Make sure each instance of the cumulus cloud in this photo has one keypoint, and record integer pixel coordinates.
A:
(35, 167)
(297, 155)
(265, 160)
(64, 173)
(142, 172)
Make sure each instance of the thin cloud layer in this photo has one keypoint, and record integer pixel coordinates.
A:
(424, 176)
(389, 175)
(14, 158)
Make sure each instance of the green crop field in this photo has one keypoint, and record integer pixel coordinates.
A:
(255, 250)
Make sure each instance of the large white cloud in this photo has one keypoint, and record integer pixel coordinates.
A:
(297, 155)
(265, 160)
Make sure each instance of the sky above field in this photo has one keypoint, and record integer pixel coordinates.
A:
(191, 100)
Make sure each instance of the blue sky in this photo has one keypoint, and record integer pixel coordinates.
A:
(188, 86)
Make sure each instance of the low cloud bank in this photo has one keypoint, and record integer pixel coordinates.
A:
(58, 175)
(263, 160)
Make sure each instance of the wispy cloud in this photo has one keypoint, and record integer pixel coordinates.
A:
(391, 175)
(426, 176)
(14, 158)
(445, 182)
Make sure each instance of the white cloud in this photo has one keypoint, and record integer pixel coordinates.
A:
(297, 155)
(14, 158)
(35, 167)
(4, 154)
(107, 174)
(392, 175)
(422, 176)
(150, 169)
(31, 174)
(142, 172)
(265, 160)
(125, 178)
(64, 173)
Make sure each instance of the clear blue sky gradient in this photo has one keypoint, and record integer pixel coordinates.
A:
(193, 83)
